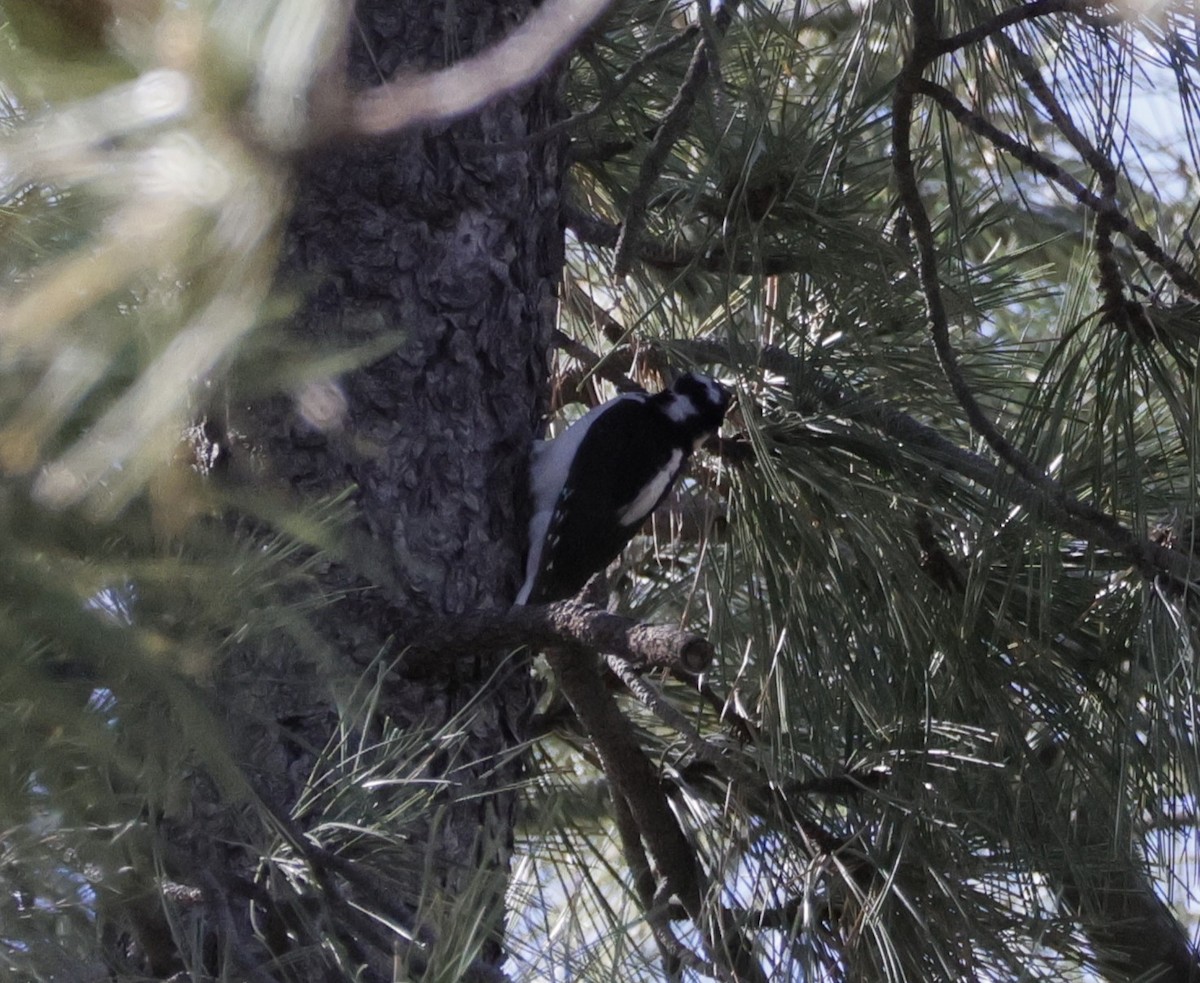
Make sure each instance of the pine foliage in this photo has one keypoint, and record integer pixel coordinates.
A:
(955, 742)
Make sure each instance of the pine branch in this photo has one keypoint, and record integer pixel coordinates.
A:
(649, 696)
(1123, 311)
(660, 256)
(1145, 243)
(567, 623)
(1039, 486)
(627, 768)
(612, 329)
(631, 74)
(1132, 930)
(669, 131)
(848, 783)
(726, 712)
(924, 50)
(926, 47)
(1049, 499)
(607, 368)
(1085, 9)
(670, 948)
(753, 786)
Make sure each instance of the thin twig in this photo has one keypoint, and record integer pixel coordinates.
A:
(1145, 243)
(813, 389)
(769, 801)
(670, 129)
(594, 364)
(647, 889)
(649, 696)
(1059, 115)
(1112, 284)
(1018, 15)
(753, 785)
(630, 75)
(660, 256)
(924, 50)
(725, 708)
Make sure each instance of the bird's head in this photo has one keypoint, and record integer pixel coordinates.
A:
(699, 403)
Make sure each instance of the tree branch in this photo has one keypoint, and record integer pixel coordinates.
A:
(627, 768)
(609, 97)
(547, 626)
(1103, 882)
(816, 391)
(1145, 243)
(660, 256)
(669, 131)
(410, 100)
(1018, 15)
(924, 50)
(1126, 313)
(645, 885)
(752, 784)
(595, 365)
(649, 696)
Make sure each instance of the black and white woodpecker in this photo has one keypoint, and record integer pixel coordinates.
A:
(593, 486)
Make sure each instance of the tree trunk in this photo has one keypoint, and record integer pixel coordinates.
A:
(449, 238)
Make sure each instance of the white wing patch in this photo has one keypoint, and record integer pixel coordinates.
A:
(680, 408)
(640, 507)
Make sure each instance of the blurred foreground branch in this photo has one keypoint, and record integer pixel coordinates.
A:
(523, 56)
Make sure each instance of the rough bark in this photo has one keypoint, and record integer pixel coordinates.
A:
(450, 238)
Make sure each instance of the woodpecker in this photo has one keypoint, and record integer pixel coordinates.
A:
(594, 485)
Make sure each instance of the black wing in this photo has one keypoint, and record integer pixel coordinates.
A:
(625, 449)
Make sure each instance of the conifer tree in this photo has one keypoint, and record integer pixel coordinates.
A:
(897, 685)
